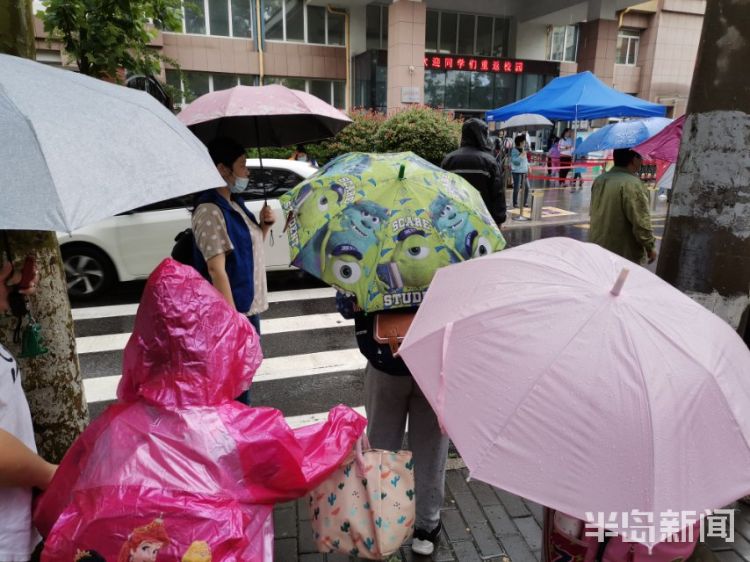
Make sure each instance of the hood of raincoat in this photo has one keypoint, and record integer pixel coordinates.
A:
(476, 134)
(189, 347)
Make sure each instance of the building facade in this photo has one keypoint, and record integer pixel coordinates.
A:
(465, 57)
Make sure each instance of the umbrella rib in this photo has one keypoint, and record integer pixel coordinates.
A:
(542, 372)
(634, 351)
(705, 369)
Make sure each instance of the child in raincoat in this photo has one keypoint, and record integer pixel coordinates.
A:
(177, 469)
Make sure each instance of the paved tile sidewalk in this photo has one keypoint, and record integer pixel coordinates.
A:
(480, 523)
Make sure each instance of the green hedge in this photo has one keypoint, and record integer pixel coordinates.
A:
(427, 132)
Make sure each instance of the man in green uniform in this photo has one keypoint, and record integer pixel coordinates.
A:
(620, 217)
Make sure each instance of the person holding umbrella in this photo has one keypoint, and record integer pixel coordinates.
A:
(229, 238)
(21, 468)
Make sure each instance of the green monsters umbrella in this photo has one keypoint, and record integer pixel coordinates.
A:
(378, 226)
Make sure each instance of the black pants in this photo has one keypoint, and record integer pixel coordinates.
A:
(255, 321)
(565, 163)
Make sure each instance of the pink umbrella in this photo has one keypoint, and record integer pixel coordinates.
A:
(664, 145)
(258, 116)
(560, 383)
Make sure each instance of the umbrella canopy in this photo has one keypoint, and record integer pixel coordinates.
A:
(257, 116)
(625, 134)
(378, 226)
(664, 145)
(579, 96)
(581, 399)
(77, 150)
(526, 121)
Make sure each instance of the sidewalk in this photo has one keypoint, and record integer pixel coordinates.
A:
(561, 207)
(480, 523)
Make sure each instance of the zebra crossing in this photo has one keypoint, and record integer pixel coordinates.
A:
(311, 361)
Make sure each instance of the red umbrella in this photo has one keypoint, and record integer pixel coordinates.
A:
(257, 116)
(665, 145)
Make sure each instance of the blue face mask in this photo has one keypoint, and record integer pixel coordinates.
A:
(240, 185)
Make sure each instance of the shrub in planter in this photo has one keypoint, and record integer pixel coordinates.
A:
(359, 136)
(427, 132)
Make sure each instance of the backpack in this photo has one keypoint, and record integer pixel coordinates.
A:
(183, 248)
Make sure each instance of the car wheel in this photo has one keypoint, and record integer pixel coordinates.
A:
(88, 271)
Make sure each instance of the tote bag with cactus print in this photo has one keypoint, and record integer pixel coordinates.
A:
(366, 507)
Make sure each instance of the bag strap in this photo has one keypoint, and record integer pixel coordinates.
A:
(363, 444)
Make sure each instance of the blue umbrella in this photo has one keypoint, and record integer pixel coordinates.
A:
(625, 134)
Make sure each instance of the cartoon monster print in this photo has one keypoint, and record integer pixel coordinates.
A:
(456, 226)
(351, 239)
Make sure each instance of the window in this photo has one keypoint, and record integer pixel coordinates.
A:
(295, 20)
(330, 91)
(466, 34)
(500, 38)
(484, 36)
(627, 46)
(316, 24)
(292, 20)
(372, 27)
(270, 182)
(194, 84)
(273, 19)
(562, 43)
(228, 18)
(218, 12)
(448, 25)
(289, 82)
(336, 26)
(182, 202)
(376, 26)
(431, 35)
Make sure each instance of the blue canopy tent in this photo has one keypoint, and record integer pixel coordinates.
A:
(577, 97)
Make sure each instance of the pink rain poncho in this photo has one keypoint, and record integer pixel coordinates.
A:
(177, 470)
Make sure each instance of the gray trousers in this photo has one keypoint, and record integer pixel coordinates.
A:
(388, 401)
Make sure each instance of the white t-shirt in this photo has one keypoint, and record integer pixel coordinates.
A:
(566, 147)
(18, 538)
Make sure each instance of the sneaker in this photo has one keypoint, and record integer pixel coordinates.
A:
(424, 542)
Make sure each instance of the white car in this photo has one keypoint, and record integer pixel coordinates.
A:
(130, 245)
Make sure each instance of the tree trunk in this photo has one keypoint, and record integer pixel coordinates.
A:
(52, 381)
(706, 248)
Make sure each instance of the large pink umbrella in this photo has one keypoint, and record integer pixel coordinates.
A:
(258, 116)
(664, 145)
(559, 383)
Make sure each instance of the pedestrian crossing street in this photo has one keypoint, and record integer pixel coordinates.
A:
(311, 361)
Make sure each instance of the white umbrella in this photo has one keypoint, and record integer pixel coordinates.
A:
(526, 121)
(76, 150)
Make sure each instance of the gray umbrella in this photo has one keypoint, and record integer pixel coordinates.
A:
(76, 150)
(526, 121)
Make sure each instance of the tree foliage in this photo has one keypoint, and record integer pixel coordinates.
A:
(104, 36)
(427, 132)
